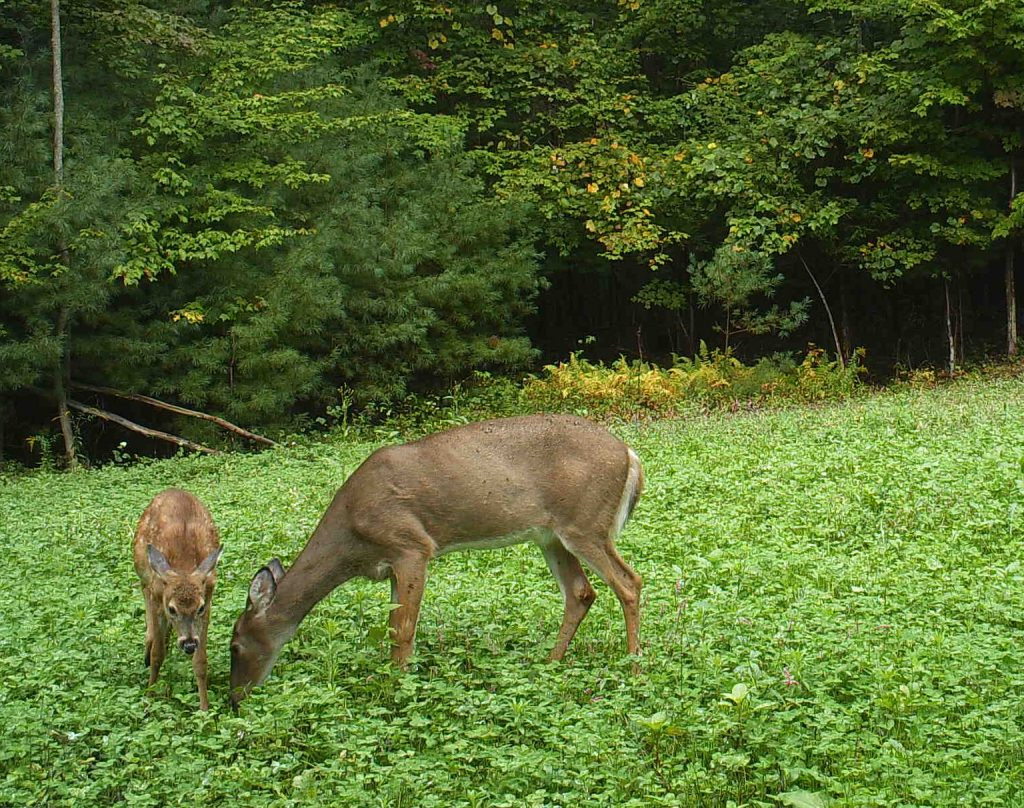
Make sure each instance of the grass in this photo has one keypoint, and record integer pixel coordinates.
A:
(833, 615)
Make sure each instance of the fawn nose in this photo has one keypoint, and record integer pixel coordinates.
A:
(189, 646)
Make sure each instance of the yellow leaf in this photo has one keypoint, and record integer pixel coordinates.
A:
(592, 187)
(795, 217)
(639, 182)
(869, 153)
(712, 146)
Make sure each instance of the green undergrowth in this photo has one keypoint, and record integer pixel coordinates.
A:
(711, 381)
(832, 615)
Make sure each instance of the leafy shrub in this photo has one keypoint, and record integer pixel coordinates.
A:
(712, 379)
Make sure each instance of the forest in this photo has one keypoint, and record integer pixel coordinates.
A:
(269, 212)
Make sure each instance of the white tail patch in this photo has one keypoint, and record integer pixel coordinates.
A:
(630, 492)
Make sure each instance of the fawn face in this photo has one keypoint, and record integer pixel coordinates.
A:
(184, 596)
(254, 648)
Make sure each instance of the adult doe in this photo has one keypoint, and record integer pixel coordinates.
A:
(561, 482)
(176, 550)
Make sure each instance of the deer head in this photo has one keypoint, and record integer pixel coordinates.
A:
(183, 595)
(254, 646)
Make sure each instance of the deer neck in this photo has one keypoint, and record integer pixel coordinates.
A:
(325, 563)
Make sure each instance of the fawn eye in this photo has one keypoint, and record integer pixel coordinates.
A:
(172, 611)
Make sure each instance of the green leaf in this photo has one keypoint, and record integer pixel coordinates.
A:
(802, 799)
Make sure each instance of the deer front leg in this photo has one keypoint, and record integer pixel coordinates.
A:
(408, 577)
(199, 663)
(150, 630)
(156, 638)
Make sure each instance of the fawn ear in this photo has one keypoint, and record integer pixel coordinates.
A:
(276, 569)
(208, 563)
(157, 561)
(262, 589)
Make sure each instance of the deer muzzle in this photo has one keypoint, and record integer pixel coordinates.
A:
(188, 645)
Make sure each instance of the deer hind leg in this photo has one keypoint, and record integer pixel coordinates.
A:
(408, 577)
(576, 590)
(199, 662)
(603, 558)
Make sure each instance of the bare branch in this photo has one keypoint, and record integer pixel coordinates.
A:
(154, 402)
(150, 433)
(828, 311)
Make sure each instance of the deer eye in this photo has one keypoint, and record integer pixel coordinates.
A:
(201, 609)
(172, 611)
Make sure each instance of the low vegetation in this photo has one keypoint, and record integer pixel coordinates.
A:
(832, 616)
(710, 380)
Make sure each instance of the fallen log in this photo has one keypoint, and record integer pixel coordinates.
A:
(155, 402)
(144, 430)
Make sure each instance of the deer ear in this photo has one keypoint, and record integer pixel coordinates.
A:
(208, 563)
(262, 589)
(157, 561)
(276, 569)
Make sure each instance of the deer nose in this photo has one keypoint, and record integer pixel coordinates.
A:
(189, 646)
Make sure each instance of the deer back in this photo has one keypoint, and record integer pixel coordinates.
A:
(491, 479)
(180, 528)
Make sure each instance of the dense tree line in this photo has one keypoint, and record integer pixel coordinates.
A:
(265, 209)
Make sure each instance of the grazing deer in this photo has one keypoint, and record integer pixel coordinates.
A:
(561, 482)
(176, 550)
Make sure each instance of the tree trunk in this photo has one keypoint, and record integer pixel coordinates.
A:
(58, 95)
(60, 390)
(63, 317)
(1011, 291)
(949, 328)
